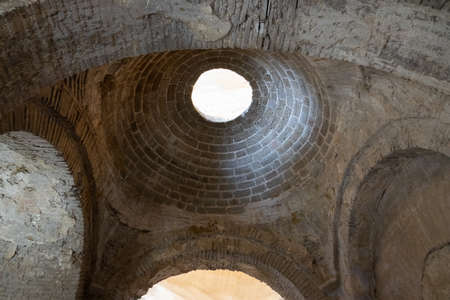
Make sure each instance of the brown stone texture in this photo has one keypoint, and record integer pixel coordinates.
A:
(41, 237)
(334, 185)
(175, 157)
(435, 284)
(394, 228)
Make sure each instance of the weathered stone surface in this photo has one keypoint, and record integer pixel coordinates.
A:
(409, 40)
(435, 283)
(289, 234)
(41, 225)
(9, 5)
(163, 193)
(399, 216)
(415, 210)
(200, 19)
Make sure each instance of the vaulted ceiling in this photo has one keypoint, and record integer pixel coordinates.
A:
(332, 186)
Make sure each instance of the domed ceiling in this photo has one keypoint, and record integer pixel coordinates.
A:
(171, 155)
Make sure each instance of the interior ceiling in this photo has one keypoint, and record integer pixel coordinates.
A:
(409, 38)
(175, 157)
(350, 108)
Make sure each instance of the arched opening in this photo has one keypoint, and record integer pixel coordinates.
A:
(211, 285)
(252, 256)
(221, 95)
(400, 228)
(41, 221)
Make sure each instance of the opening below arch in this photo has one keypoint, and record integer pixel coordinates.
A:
(211, 285)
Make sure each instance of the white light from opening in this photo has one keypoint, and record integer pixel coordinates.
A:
(221, 95)
(211, 285)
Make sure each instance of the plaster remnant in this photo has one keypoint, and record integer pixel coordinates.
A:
(41, 224)
(9, 5)
(31, 206)
(10, 251)
(200, 19)
(435, 283)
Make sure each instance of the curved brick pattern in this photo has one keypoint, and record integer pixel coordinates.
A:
(169, 152)
(56, 118)
(217, 251)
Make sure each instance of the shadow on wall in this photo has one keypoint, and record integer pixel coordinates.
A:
(41, 221)
(398, 227)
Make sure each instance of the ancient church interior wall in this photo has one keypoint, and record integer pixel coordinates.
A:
(42, 234)
(338, 88)
(397, 222)
(408, 38)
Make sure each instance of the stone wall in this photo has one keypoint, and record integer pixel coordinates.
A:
(41, 223)
(408, 38)
(119, 123)
(398, 220)
(339, 86)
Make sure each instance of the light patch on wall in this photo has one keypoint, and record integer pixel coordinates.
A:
(9, 5)
(199, 18)
(211, 285)
(221, 95)
(34, 191)
(41, 222)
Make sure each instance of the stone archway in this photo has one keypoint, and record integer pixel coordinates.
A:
(400, 216)
(56, 121)
(397, 135)
(242, 251)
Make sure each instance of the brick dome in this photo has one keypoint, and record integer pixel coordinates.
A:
(176, 157)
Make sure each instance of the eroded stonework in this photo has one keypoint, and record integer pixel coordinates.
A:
(352, 116)
(435, 283)
(41, 225)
